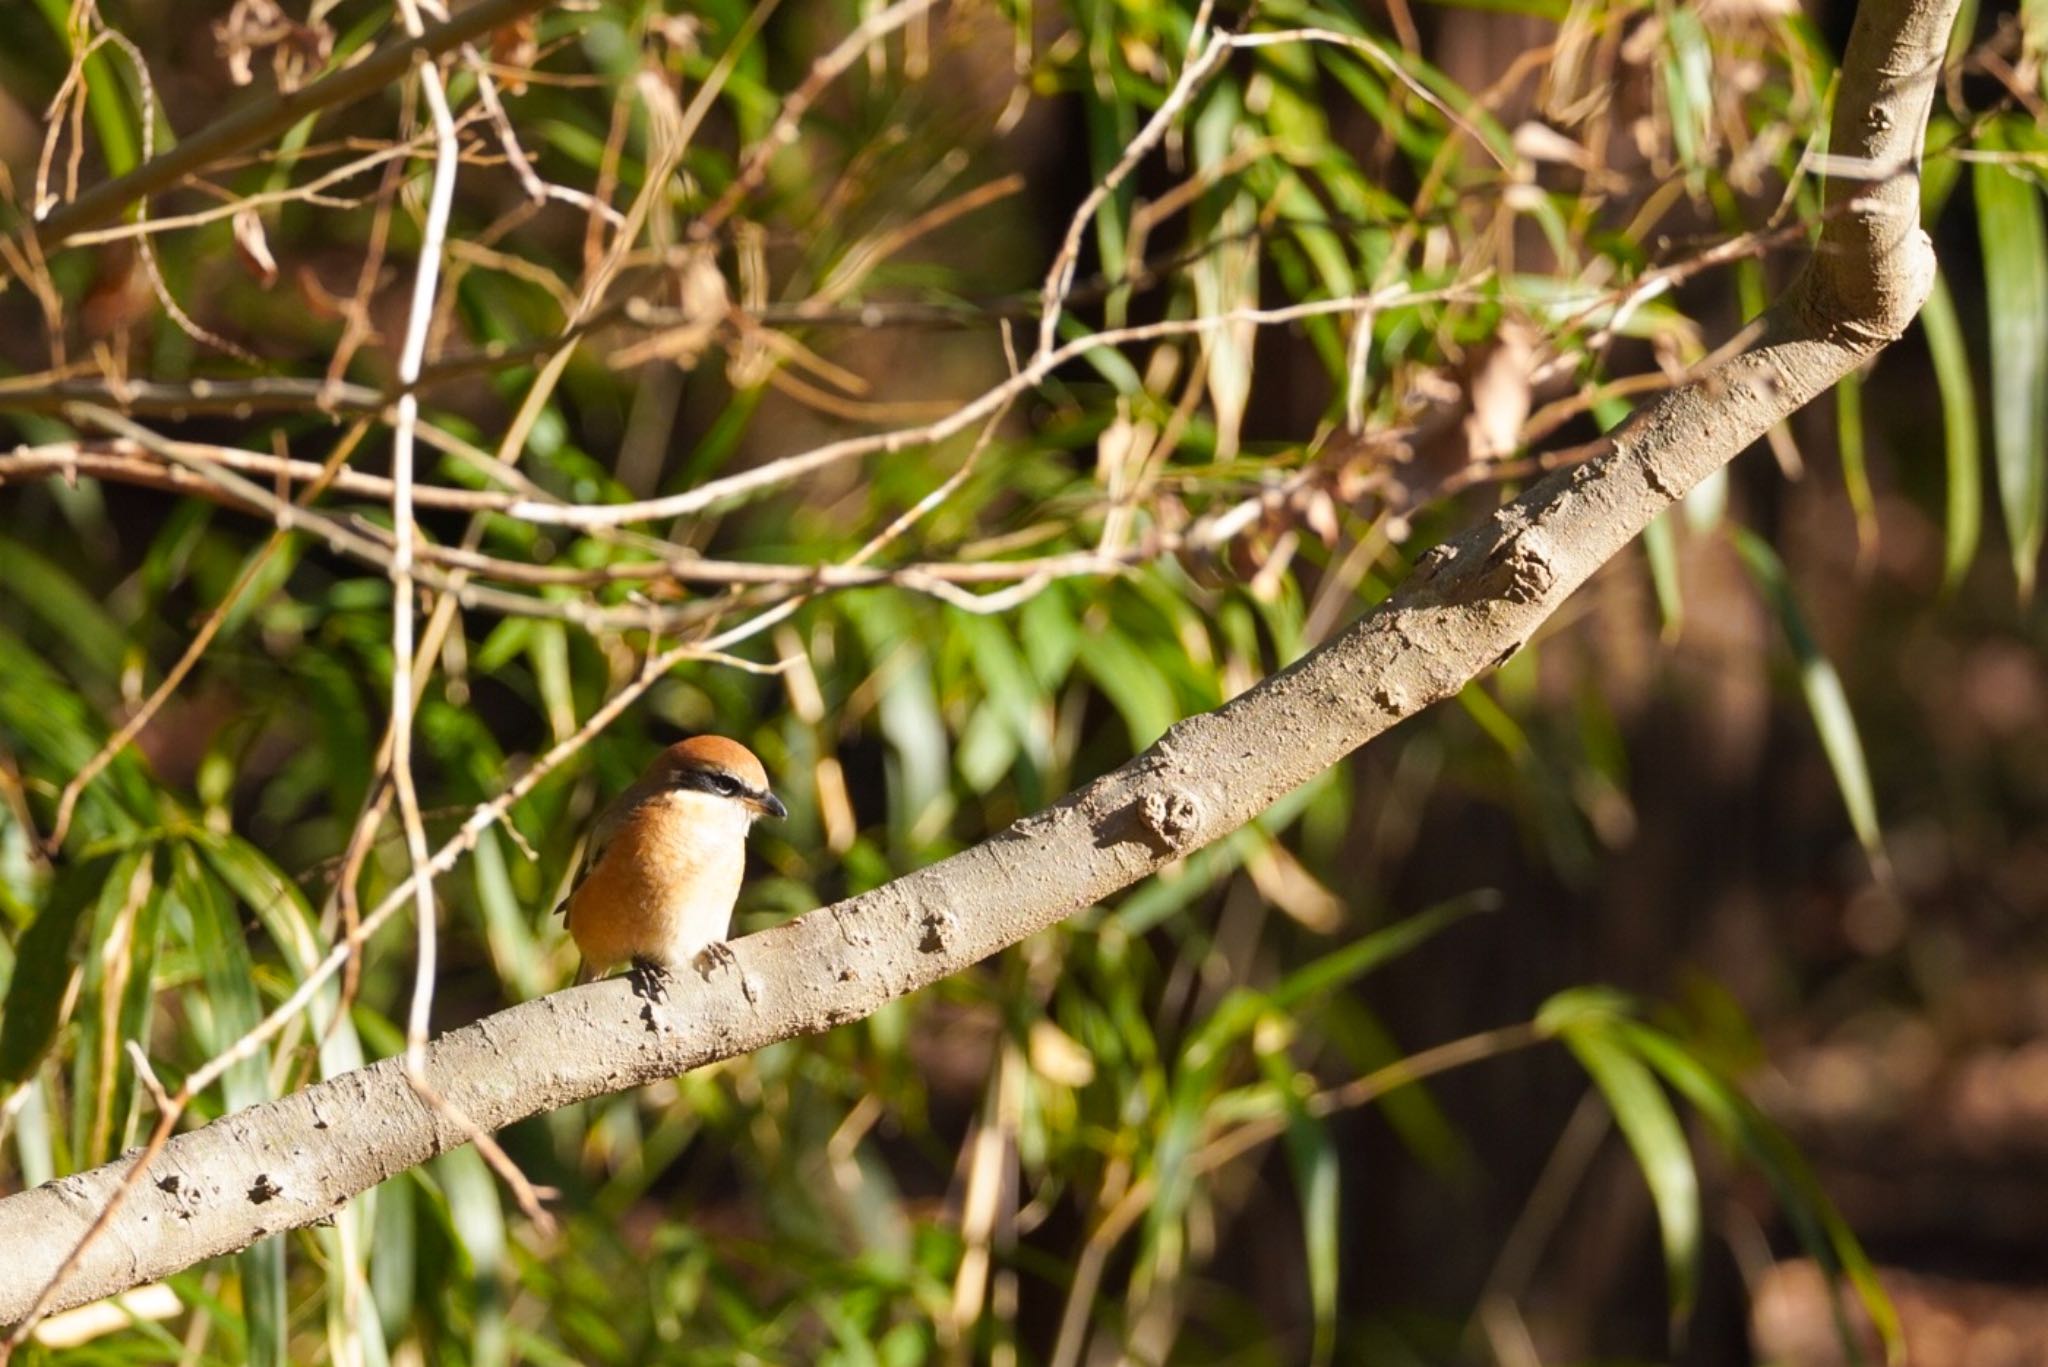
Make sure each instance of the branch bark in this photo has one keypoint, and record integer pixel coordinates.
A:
(1470, 604)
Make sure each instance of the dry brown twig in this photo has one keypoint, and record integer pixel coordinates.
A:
(259, 120)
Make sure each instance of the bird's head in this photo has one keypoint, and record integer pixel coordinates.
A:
(723, 768)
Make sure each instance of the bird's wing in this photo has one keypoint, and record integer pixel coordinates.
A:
(601, 833)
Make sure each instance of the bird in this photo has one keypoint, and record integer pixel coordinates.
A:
(664, 863)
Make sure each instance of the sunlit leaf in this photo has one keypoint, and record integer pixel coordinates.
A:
(1825, 697)
(1644, 1115)
(1962, 449)
(2015, 242)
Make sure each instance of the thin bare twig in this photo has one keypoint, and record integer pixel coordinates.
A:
(788, 468)
(269, 117)
(789, 121)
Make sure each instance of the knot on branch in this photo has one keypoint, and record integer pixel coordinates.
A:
(1170, 818)
(935, 929)
(1432, 562)
(1519, 570)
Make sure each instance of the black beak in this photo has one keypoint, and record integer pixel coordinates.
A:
(771, 805)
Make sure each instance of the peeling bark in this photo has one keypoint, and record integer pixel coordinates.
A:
(1469, 605)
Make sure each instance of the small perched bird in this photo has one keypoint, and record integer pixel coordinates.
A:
(663, 868)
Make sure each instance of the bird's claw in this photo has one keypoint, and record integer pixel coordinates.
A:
(717, 954)
(650, 980)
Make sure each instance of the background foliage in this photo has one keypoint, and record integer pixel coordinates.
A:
(1783, 766)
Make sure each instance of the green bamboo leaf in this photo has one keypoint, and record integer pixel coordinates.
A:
(507, 929)
(288, 918)
(547, 646)
(1362, 956)
(34, 1146)
(1502, 729)
(106, 96)
(478, 1220)
(394, 1248)
(1411, 1111)
(1689, 84)
(1855, 468)
(120, 950)
(1660, 550)
(39, 583)
(1825, 697)
(1141, 694)
(42, 962)
(920, 762)
(1647, 1121)
(1312, 1154)
(1958, 384)
(1241, 1009)
(2016, 299)
(1747, 1133)
(235, 1007)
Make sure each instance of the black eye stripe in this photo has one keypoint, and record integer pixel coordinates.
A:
(710, 781)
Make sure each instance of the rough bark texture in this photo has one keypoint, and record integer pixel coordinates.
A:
(1470, 605)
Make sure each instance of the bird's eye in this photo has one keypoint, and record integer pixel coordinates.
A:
(725, 785)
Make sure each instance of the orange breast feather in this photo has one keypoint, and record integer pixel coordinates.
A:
(664, 885)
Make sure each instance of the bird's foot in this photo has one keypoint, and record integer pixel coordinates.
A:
(718, 954)
(650, 981)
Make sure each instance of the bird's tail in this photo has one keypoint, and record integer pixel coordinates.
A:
(586, 972)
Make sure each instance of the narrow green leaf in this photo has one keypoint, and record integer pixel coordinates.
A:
(920, 759)
(1312, 1154)
(2016, 298)
(1747, 1133)
(1363, 955)
(42, 965)
(1501, 728)
(514, 949)
(547, 645)
(1825, 697)
(1660, 549)
(1412, 1112)
(104, 94)
(236, 1007)
(478, 1218)
(1241, 1008)
(292, 925)
(34, 1146)
(1958, 384)
(1142, 696)
(46, 588)
(1689, 84)
(1855, 467)
(120, 950)
(1646, 1120)
(394, 1249)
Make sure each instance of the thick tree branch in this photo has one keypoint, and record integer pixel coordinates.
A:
(1470, 605)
